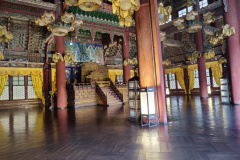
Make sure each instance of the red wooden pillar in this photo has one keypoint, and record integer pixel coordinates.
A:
(46, 83)
(149, 53)
(231, 18)
(126, 54)
(160, 73)
(201, 61)
(60, 73)
(10, 88)
(26, 86)
(186, 80)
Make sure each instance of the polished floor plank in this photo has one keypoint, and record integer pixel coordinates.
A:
(198, 129)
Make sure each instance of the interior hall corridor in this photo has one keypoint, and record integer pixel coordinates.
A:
(197, 129)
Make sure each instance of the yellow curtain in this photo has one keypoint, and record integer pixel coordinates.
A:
(191, 69)
(37, 79)
(54, 81)
(3, 81)
(132, 73)
(36, 74)
(216, 70)
(113, 73)
(180, 76)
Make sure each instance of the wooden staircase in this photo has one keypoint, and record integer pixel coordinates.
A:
(112, 98)
(85, 97)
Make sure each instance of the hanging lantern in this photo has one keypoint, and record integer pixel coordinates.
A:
(89, 5)
(125, 5)
(67, 17)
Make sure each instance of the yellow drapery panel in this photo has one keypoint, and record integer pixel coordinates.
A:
(180, 76)
(37, 85)
(132, 73)
(54, 81)
(36, 74)
(113, 73)
(216, 70)
(191, 69)
(3, 82)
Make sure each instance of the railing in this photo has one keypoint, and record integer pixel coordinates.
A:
(114, 88)
(101, 94)
(121, 84)
(78, 86)
(103, 83)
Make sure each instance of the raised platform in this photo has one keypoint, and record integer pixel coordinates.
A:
(20, 104)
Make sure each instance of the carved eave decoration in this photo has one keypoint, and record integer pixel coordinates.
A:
(192, 15)
(164, 13)
(57, 57)
(179, 23)
(69, 58)
(163, 36)
(209, 55)
(209, 17)
(77, 23)
(133, 61)
(223, 33)
(190, 3)
(166, 62)
(67, 17)
(194, 56)
(5, 36)
(39, 22)
(48, 17)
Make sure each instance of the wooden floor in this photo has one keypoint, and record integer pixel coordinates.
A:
(196, 130)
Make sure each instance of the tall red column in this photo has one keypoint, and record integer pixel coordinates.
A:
(201, 61)
(231, 18)
(60, 73)
(149, 53)
(160, 73)
(126, 69)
